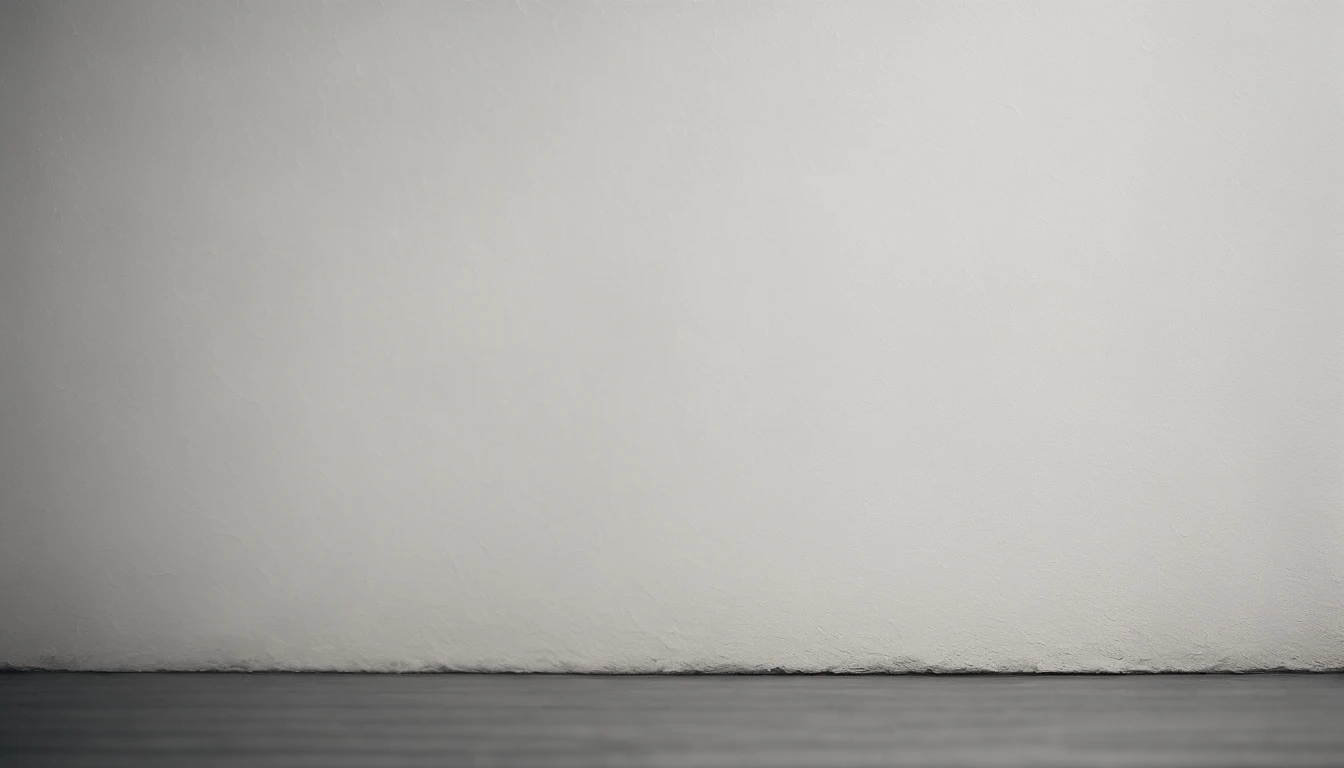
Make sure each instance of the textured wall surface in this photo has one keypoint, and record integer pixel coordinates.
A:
(671, 337)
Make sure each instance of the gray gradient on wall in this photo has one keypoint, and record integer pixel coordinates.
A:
(671, 336)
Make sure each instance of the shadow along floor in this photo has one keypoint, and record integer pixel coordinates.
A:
(91, 719)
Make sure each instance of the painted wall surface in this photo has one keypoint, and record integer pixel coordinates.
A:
(654, 336)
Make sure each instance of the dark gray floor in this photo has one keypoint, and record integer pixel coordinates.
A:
(505, 720)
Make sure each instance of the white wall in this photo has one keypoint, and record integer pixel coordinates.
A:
(672, 336)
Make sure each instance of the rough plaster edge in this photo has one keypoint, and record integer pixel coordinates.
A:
(896, 668)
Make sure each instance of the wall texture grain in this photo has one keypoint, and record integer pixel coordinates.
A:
(658, 336)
